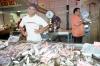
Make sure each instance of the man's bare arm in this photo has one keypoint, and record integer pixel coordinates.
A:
(22, 31)
(42, 29)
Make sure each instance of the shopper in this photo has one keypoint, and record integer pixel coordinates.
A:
(77, 26)
(32, 23)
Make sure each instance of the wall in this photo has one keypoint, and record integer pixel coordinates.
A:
(59, 7)
(94, 14)
(4, 18)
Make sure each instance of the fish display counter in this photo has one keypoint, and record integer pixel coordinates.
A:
(44, 54)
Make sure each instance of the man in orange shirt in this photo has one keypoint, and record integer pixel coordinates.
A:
(77, 26)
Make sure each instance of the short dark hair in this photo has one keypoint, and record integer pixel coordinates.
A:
(33, 5)
(76, 9)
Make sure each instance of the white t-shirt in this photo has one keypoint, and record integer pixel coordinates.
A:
(32, 23)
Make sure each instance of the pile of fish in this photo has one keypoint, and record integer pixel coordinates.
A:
(7, 53)
(55, 54)
(44, 53)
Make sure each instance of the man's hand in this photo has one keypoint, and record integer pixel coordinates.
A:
(42, 29)
(37, 31)
(25, 34)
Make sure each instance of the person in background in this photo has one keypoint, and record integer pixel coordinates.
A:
(32, 23)
(77, 26)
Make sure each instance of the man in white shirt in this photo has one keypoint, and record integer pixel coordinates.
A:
(32, 23)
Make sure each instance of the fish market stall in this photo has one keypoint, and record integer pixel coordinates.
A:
(46, 54)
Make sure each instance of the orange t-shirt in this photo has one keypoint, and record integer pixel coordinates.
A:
(77, 26)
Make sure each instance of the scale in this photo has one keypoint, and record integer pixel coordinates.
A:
(49, 15)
